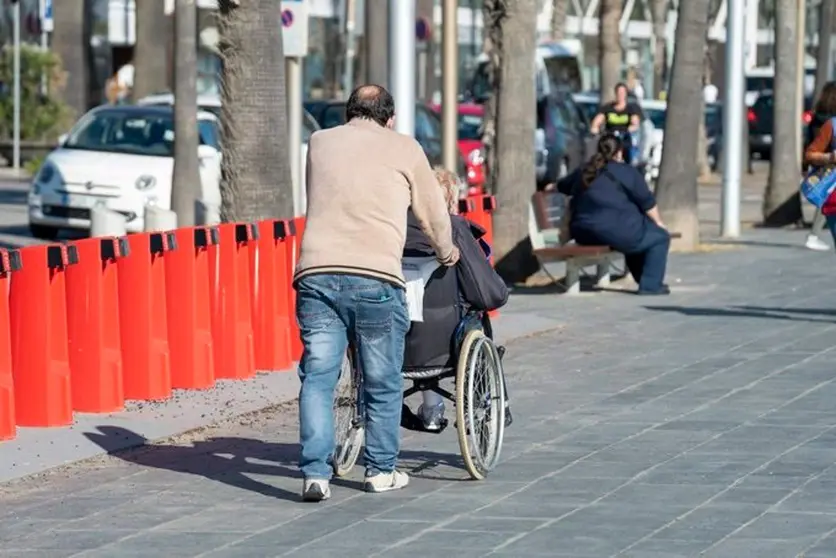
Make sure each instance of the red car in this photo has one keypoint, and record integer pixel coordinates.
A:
(470, 143)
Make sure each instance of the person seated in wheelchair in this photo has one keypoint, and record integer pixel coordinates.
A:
(450, 295)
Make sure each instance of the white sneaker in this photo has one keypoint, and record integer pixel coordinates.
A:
(432, 417)
(816, 243)
(315, 490)
(384, 482)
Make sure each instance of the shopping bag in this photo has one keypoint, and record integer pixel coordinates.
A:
(819, 184)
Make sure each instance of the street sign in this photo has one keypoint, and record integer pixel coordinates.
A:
(423, 29)
(48, 24)
(295, 28)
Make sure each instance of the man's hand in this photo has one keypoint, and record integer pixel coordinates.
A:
(452, 259)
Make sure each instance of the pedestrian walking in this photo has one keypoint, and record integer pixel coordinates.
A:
(823, 111)
(362, 177)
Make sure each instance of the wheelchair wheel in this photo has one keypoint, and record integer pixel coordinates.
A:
(480, 404)
(348, 425)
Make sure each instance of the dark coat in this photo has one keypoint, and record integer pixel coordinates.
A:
(450, 292)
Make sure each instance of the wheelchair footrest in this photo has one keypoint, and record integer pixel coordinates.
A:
(411, 421)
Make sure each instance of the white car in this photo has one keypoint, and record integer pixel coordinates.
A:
(120, 158)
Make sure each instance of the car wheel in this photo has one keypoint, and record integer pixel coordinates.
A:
(43, 232)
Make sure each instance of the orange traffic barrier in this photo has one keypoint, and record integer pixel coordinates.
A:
(478, 209)
(189, 318)
(146, 362)
(295, 339)
(40, 359)
(93, 326)
(270, 277)
(9, 262)
(232, 327)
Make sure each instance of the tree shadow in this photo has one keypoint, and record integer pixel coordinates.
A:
(742, 312)
(756, 244)
(228, 460)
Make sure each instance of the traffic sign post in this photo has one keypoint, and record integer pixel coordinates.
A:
(294, 19)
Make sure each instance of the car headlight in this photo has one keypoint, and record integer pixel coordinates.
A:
(145, 182)
(46, 174)
(475, 157)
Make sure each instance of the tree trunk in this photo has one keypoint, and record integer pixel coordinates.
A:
(676, 191)
(71, 42)
(823, 55)
(151, 53)
(512, 24)
(659, 13)
(377, 42)
(609, 51)
(256, 182)
(186, 187)
(558, 23)
(781, 203)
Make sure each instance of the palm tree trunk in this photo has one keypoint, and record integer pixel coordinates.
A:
(72, 43)
(823, 55)
(186, 181)
(150, 52)
(781, 203)
(609, 50)
(676, 191)
(558, 22)
(513, 46)
(256, 181)
(659, 13)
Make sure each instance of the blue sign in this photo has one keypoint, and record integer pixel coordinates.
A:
(47, 24)
(422, 29)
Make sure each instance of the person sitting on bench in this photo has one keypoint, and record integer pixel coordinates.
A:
(611, 205)
(449, 293)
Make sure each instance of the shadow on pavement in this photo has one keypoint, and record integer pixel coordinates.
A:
(229, 460)
(749, 312)
(756, 244)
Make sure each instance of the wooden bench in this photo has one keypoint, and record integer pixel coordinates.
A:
(547, 212)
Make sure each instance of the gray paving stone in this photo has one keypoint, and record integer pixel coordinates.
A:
(646, 429)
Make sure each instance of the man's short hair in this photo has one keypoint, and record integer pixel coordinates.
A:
(621, 84)
(372, 102)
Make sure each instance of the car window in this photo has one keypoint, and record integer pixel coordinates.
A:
(570, 114)
(657, 116)
(427, 126)
(209, 133)
(470, 127)
(133, 133)
(333, 116)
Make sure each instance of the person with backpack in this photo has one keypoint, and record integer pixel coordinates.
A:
(823, 111)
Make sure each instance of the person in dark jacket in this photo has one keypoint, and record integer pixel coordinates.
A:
(448, 294)
(612, 205)
(823, 111)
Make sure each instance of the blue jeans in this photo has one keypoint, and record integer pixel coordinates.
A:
(649, 258)
(331, 309)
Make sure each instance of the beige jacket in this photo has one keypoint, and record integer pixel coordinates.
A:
(361, 179)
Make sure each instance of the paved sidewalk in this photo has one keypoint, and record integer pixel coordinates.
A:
(701, 424)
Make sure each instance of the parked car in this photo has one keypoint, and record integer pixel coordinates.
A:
(760, 116)
(564, 133)
(470, 142)
(120, 158)
(329, 114)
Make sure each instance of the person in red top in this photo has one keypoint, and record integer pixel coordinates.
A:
(820, 152)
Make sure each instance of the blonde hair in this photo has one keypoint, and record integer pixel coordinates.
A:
(449, 183)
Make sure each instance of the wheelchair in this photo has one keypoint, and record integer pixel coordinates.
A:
(479, 399)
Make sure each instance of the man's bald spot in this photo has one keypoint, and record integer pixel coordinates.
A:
(369, 92)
